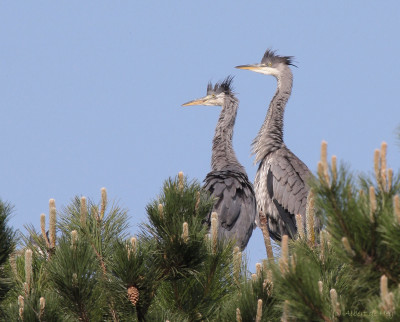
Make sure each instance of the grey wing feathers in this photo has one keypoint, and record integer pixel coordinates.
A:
(290, 177)
(235, 204)
(287, 186)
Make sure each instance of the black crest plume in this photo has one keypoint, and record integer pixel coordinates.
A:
(221, 87)
(271, 56)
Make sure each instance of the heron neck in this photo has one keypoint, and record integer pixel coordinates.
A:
(223, 155)
(270, 136)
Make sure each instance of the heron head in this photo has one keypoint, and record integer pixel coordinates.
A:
(271, 64)
(215, 94)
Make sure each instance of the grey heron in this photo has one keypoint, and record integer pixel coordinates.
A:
(228, 182)
(281, 180)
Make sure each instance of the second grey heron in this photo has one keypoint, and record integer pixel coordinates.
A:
(281, 180)
(228, 182)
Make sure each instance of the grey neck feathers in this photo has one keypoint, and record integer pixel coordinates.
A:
(223, 155)
(270, 136)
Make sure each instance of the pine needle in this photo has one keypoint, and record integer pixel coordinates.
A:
(396, 206)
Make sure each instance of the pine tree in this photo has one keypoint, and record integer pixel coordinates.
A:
(196, 268)
(7, 244)
(85, 267)
(352, 272)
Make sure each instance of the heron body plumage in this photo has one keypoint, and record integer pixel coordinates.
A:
(235, 204)
(281, 191)
(228, 182)
(281, 181)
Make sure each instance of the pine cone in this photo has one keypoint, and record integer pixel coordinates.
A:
(133, 295)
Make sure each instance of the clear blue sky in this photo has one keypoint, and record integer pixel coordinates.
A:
(91, 92)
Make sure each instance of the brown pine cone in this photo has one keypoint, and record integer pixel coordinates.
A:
(133, 295)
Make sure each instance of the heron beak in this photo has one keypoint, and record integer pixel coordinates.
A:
(254, 67)
(258, 68)
(206, 100)
(199, 101)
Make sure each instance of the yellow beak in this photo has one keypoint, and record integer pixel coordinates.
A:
(253, 67)
(199, 101)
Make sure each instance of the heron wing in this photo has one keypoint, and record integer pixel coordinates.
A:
(236, 203)
(287, 185)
